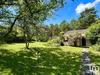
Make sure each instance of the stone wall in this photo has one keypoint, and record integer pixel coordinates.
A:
(78, 43)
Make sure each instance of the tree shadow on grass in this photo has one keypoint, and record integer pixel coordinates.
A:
(18, 63)
(51, 61)
(60, 62)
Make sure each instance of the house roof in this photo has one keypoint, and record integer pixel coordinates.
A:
(79, 31)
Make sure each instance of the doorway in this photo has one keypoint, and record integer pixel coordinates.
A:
(83, 42)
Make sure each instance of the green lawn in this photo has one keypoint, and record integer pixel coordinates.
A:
(16, 60)
(95, 56)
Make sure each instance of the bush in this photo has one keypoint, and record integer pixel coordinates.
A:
(96, 47)
(93, 33)
(2, 42)
(98, 41)
(54, 42)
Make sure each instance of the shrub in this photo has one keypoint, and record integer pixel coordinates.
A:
(54, 42)
(93, 33)
(96, 47)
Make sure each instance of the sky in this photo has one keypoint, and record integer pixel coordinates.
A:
(72, 10)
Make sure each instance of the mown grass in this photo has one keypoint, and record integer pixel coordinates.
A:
(95, 56)
(16, 60)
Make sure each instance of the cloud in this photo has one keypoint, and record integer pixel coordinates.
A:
(81, 7)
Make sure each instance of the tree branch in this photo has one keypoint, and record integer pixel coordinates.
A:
(10, 29)
(6, 17)
(9, 4)
(28, 6)
(36, 11)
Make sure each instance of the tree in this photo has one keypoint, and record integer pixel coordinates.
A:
(56, 30)
(97, 21)
(51, 30)
(73, 24)
(87, 18)
(64, 26)
(42, 33)
(36, 9)
(2, 32)
(29, 11)
(28, 29)
(94, 33)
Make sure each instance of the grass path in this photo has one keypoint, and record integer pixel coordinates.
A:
(16, 60)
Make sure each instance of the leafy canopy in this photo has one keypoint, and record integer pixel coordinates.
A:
(87, 18)
(94, 32)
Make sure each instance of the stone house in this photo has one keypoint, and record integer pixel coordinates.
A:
(78, 42)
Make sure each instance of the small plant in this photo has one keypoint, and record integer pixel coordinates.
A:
(96, 47)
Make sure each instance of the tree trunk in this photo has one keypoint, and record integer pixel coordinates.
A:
(27, 45)
(26, 41)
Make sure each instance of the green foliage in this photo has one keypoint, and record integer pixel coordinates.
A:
(38, 10)
(51, 30)
(27, 14)
(42, 33)
(56, 30)
(93, 32)
(94, 53)
(98, 41)
(61, 33)
(54, 42)
(95, 47)
(71, 38)
(87, 18)
(15, 36)
(64, 26)
(2, 30)
(73, 24)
